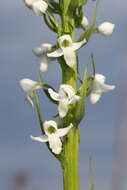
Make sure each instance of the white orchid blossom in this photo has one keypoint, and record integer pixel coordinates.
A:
(99, 87)
(106, 28)
(65, 96)
(41, 52)
(84, 22)
(28, 85)
(67, 49)
(52, 135)
(39, 7)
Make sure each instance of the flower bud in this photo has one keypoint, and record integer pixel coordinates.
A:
(84, 22)
(39, 7)
(106, 28)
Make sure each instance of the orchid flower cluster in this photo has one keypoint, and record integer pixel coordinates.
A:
(70, 99)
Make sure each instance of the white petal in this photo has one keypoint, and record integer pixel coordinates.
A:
(64, 37)
(74, 99)
(48, 124)
(46, 47)
(27, 85)
(100, 78)
(30, 101)
(69, 56)
(29, 3)
(54, 95)
(38, 51)
(84, 22)
(39, 7)
(42, 138)
(66, 89)
(106, 88)
(64, 131)
(106, 28)
(44, 64)
(77, 45)
(57, 53)
(63, 107)
(55, 143)
(42, 49)
(94, 97)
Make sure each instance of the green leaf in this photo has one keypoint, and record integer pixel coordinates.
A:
(93, 63)
(54, 5)
(38, 111)
(90, 82)
(80, 105)
(91, 172)
(45, 89)
(87, 34)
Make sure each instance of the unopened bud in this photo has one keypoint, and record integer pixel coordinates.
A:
(84, 22)
(106, 28)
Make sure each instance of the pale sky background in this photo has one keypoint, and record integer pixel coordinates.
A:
(20, 31)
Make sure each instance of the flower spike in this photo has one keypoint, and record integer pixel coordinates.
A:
(52, 135)
(65, 96)
(99, 87)
(67, 49)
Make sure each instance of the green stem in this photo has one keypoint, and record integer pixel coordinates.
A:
(70, 163)
(70, 152)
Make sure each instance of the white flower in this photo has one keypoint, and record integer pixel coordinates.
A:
(28, 86)
(65, 96)
(99, 87)
(41, 52)
(39, 7)
(67, 49)
(106, 28)
(52, 135)
(84, 22)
